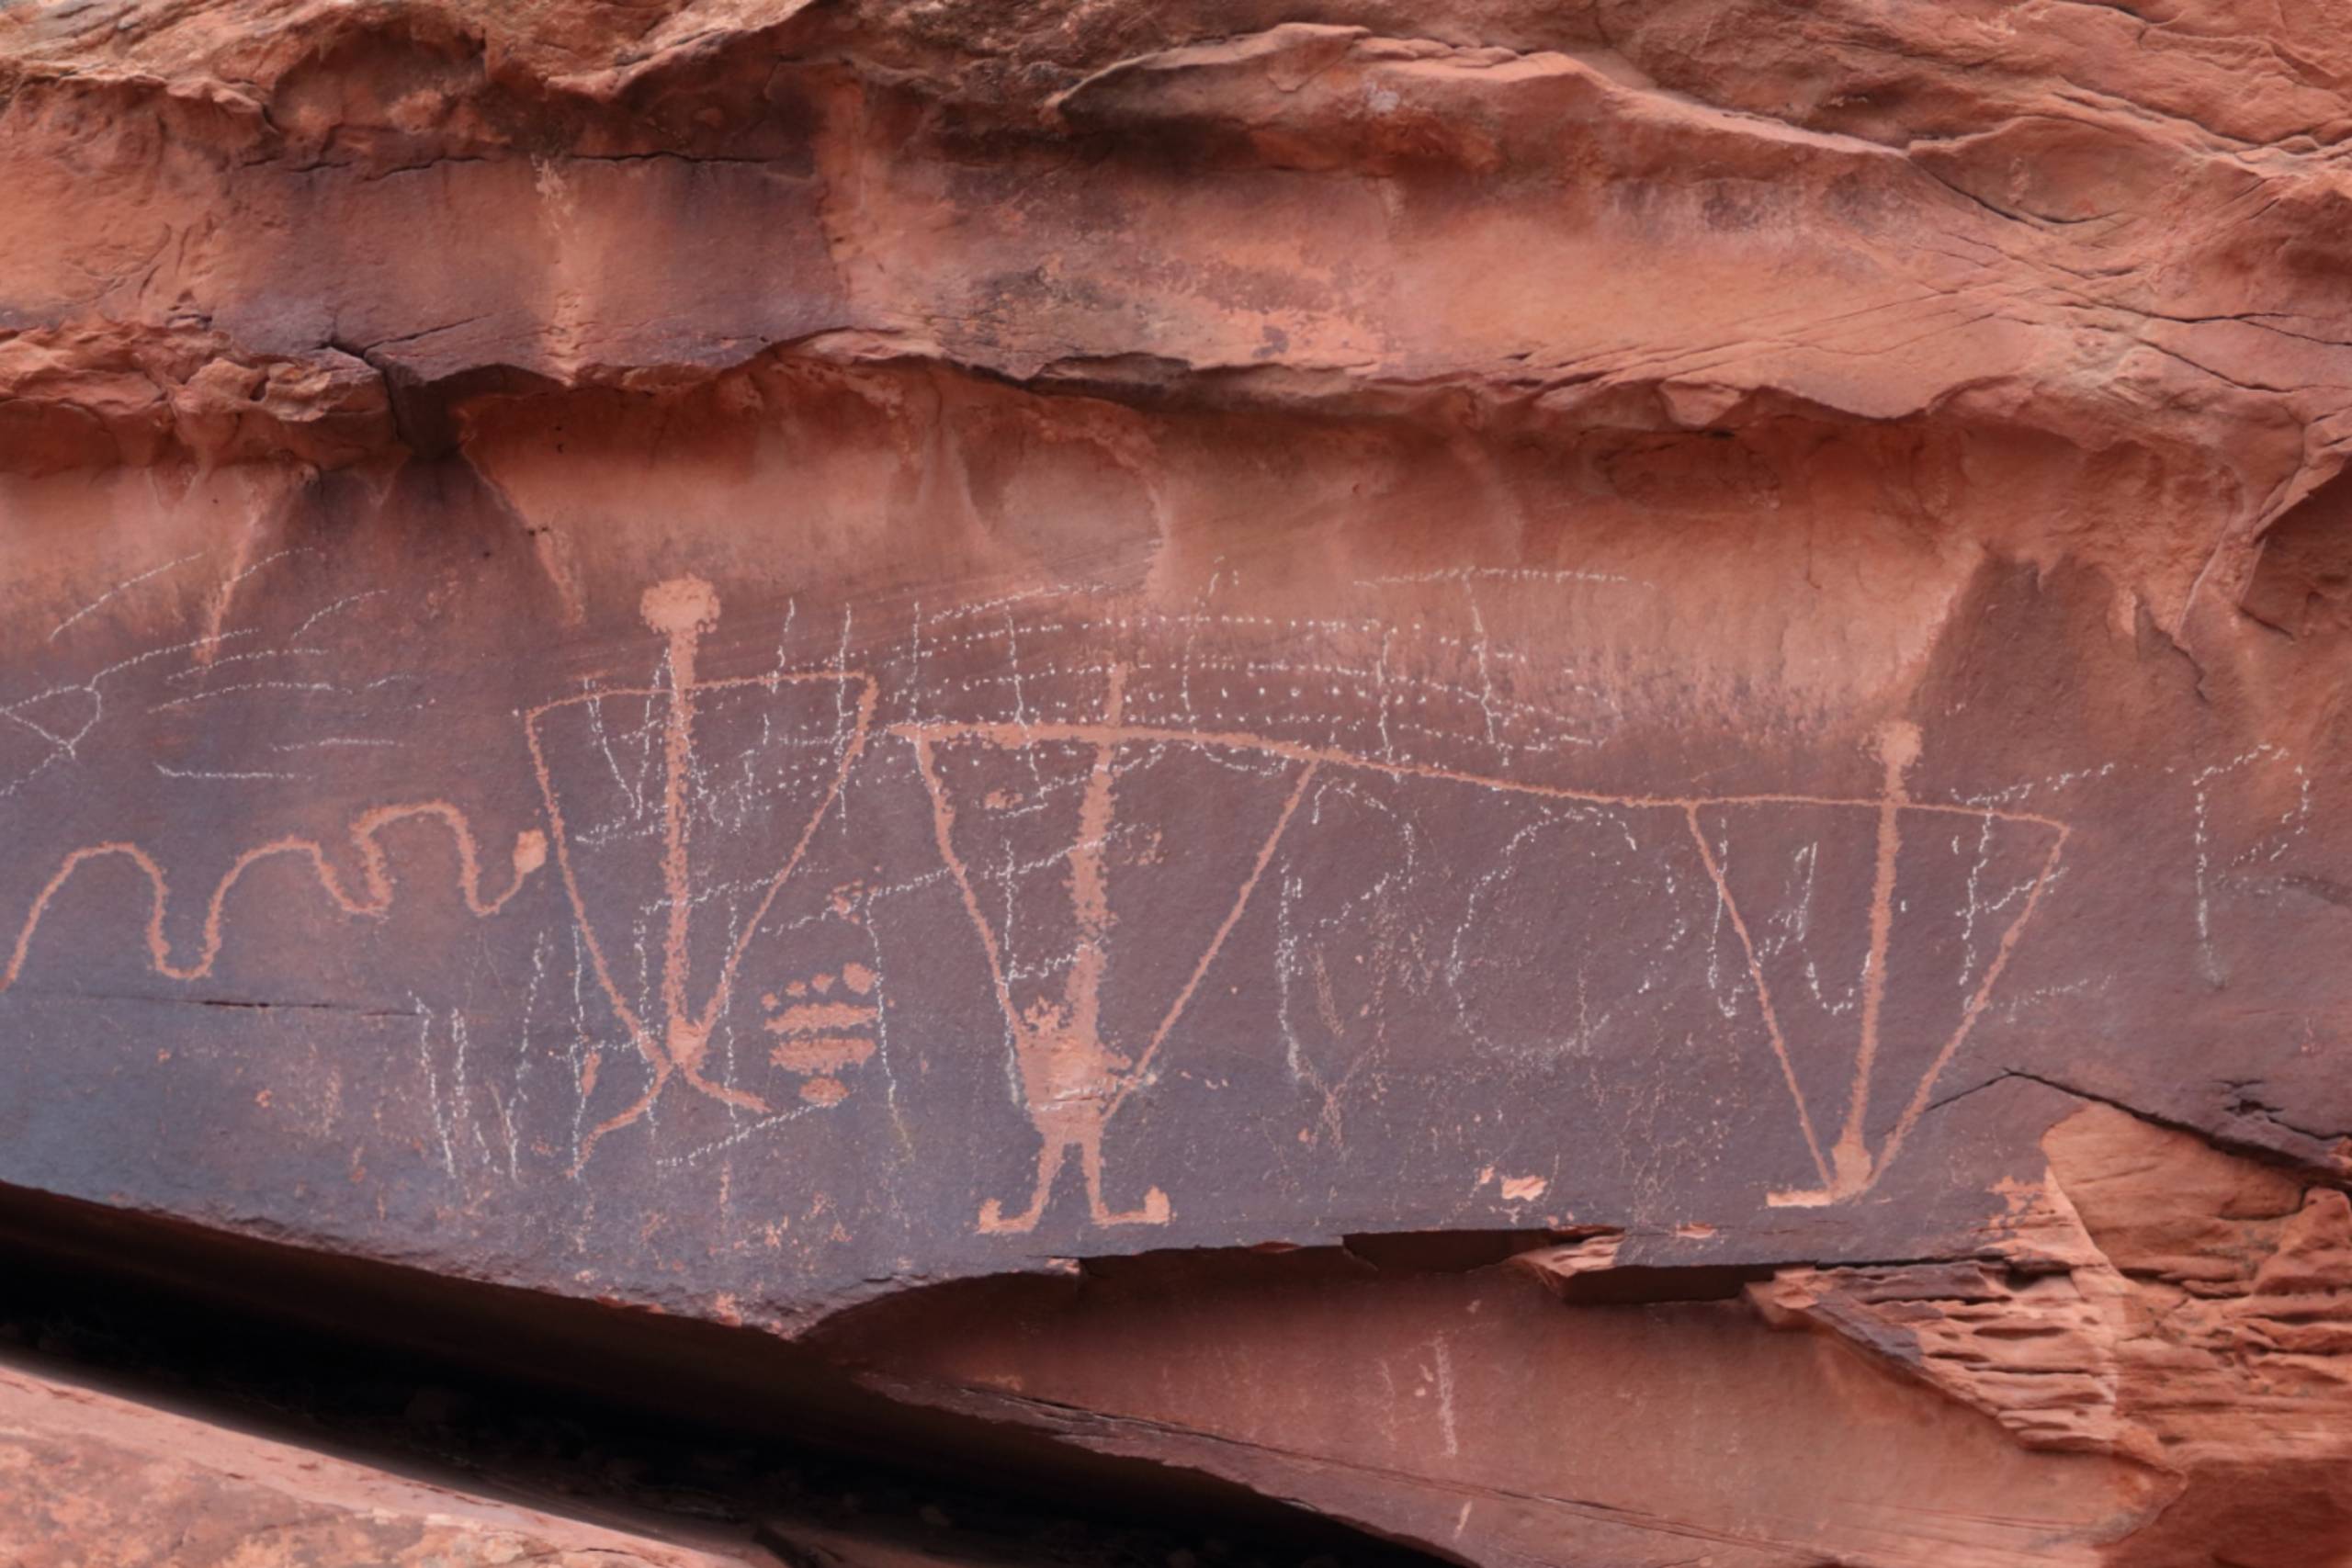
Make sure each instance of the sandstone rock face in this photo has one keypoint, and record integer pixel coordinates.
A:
(1564, 777)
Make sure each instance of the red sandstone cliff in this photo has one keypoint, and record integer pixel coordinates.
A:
(1565, 778)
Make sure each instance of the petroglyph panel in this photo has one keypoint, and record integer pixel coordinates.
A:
(762, 943)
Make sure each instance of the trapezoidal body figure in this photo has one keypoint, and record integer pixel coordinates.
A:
(1072, 1074)
(1934, 941)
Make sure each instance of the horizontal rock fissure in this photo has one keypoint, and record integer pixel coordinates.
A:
(2308, 1166)
(585, 1409)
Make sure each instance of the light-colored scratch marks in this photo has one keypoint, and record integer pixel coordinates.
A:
(1729, 910)
(103, 600)
(1379, 905)
(64, 717)
(1502, 574)
(224, 596)
(2200, 799)
(205, 696)
(221, 775)
(1211, 690)
(64, 739)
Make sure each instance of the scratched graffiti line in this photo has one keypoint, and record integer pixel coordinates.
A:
(49, 715)
(1292, 931)
(681, 610)
(1211, 690)
(373, 899)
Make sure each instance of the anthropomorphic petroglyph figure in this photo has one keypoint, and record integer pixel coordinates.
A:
(1852, 1168)
(1899, 747)
(1073, 1083)
(681, 610)
(1071, 1079)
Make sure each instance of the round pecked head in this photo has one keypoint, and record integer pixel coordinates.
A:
(680, 606)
